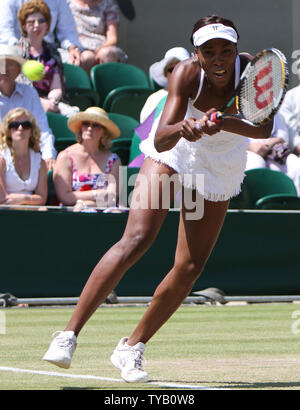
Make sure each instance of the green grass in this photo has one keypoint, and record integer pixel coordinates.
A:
(236, 347)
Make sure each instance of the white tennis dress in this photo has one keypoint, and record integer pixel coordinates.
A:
(219, 159)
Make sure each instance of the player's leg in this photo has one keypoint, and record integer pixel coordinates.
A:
(196, 240)
(142, 228)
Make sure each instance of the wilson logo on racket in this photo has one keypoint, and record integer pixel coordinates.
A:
(260, 91)
(266, 89)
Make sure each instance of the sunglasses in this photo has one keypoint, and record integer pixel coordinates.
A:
(40, 21)
(91, 124)
(26, 125)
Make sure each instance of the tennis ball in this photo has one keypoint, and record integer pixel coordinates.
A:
(34, 70)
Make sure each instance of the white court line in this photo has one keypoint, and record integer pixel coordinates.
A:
(107, 379)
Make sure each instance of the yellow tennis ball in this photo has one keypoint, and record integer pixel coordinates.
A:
(34, 70)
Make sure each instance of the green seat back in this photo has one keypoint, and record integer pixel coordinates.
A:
(126, 124)
(83, 98)
(261, 182)
(52, 198)
(76, 77)
(127, 100)
(279, 201)
(108, 76)
(122, 148)
(79, 87)
(135, 145)
(63, 135)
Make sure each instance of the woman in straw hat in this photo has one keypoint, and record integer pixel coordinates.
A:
(186, 143)
(86, 173)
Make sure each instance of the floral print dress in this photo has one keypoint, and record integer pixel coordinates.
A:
(87, 182)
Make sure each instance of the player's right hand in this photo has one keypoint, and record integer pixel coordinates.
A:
(191, 130)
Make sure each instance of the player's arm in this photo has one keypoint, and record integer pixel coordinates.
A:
(172, 125)
(241, 127)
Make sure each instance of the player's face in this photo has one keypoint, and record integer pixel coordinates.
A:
(217, 58)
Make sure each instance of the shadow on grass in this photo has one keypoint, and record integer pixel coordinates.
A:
(205, 384)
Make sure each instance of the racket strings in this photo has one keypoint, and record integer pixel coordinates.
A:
(262, 89)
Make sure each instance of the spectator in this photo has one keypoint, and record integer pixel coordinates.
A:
(23, 173)
(274, 153)
(150, 115)
(35, 20)
(160, 72)
(62, 27)
(290, 110)
(13, 94)
(97, 25)
(86, 173)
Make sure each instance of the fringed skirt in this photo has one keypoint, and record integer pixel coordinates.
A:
(213, 165)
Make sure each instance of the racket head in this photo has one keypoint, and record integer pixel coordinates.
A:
(263, 86)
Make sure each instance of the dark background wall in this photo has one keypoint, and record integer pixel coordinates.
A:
(161, 24)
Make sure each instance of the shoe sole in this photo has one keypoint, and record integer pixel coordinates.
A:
(143, 379)
(63, 365)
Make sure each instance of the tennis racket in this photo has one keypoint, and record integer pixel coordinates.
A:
(261, 89)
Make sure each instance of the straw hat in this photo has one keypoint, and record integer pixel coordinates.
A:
(156, 70)
(11, 53)
(94, 114)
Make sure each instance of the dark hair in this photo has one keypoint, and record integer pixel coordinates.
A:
(212, 19)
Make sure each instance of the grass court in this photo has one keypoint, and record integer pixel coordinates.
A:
(249, 346)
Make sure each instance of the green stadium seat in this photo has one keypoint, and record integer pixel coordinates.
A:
(64, 137)
(121, 145)
(79, 87)
(261, 182)
(279, 201)
(108, 76)
(127, 100)
(52, 198)
(126, 124)
(153, 85)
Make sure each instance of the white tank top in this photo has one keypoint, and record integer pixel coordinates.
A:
(14, 183)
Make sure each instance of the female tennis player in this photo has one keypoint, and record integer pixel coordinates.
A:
(187, 142)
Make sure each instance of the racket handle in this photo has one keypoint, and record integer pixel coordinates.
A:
(216, 117)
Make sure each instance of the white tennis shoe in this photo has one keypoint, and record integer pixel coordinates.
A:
(61, 349)
(128, 359)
